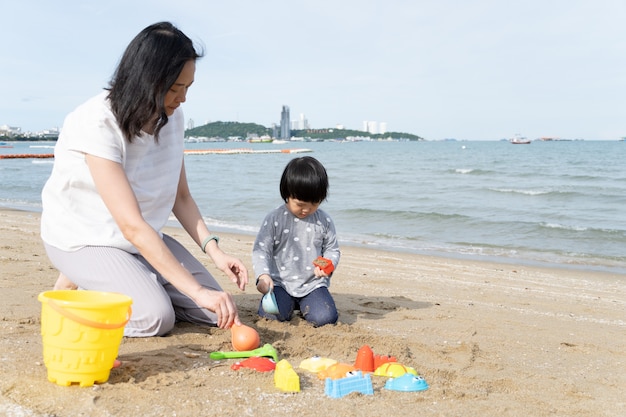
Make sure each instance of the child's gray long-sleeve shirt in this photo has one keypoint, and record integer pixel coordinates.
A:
(286, 247)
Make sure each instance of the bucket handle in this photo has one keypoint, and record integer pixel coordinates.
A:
(86, 322)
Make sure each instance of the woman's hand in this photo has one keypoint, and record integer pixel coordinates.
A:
(221, 303)
(234, 269)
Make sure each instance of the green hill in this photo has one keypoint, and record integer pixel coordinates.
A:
(228, 129)
(243, 130)
(346, 133)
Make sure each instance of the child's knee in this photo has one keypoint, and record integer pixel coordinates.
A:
(322, 317)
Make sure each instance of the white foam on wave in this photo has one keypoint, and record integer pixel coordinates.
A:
(564, 227)
(219, 225)
(518, 191)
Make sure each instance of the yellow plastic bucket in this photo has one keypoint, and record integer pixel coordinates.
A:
(81, 333)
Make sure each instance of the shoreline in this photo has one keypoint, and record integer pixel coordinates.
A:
(488, 338)
(604, 269)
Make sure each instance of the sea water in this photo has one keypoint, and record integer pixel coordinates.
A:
(558, 203)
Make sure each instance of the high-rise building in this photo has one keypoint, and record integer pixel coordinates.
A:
(301, 124)
(372, 127)
(285, 128)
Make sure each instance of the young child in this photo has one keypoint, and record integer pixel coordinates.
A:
(292, 236)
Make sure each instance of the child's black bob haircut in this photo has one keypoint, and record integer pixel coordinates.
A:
(304, 179)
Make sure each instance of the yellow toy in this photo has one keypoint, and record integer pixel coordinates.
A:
(285, 378)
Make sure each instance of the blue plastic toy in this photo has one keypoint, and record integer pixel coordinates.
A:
(354, 382)
(406, 383)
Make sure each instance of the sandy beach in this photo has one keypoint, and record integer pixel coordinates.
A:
(489, 339)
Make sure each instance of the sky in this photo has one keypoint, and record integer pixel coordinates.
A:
(463, 69)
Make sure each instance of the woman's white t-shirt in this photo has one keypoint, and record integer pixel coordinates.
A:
(74, 214)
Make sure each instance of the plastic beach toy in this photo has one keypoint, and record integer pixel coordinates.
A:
(81, 333)
(316, 364)
(336, 371)
(324, 264)
(394, 370)
(285, 378)
(257, 363)
(244, 337)
(407, 383)
(265, 350)
(269, 303)
(382, 359)
(366, 361)
(355, 382)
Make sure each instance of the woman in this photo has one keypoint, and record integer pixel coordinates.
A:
(118, 174)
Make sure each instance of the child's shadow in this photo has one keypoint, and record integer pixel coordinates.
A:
(351, 307)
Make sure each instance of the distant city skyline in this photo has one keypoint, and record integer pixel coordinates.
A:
(301, 123)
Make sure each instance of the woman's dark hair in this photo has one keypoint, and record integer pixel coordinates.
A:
(149, 67)
(304, 179)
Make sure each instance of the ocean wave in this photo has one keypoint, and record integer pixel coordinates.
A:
(519, 191)
(220, 225)
(532, 192)
(366, 214)
(21, 205)
(563, 227)
(472, 171)
(464, 170)
(42, 146)
(608, 233)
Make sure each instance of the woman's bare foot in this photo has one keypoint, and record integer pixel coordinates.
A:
(64, 283)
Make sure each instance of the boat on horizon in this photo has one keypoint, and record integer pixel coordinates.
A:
(519, 140)
(259, 139)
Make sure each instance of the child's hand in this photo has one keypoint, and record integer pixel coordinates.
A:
(264, 284)
(319, 273)
(323, 267)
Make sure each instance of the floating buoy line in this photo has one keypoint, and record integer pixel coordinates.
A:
(27, 155)
(242, 151)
